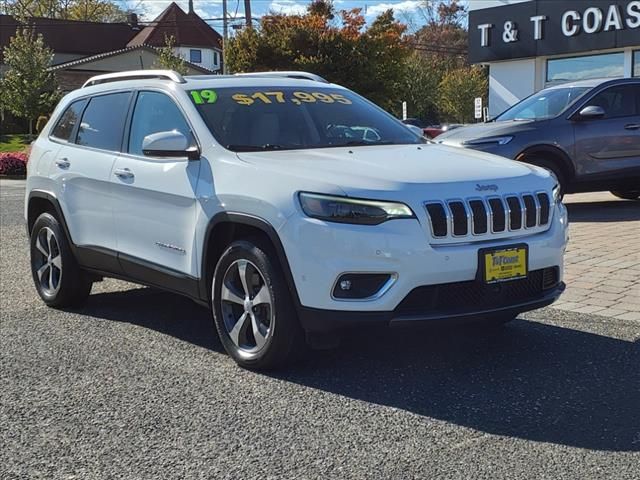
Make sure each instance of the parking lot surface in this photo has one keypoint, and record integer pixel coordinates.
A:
(603, 258)
(135, 385)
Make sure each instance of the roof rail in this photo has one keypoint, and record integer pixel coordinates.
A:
(288, 74)
(134, 75)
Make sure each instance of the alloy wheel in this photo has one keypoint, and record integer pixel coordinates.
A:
(247, 307)
(48, 261)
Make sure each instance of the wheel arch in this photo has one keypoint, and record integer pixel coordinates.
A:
(225, 227)
(39, 202)
(552, 153)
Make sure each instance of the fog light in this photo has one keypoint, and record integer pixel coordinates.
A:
(362, 286)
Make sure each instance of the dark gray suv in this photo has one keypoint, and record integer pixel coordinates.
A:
(587, 133)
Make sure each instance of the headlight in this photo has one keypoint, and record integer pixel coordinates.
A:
(351, 210)
(486, 141)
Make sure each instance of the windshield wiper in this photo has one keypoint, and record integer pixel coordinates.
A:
(255, 148)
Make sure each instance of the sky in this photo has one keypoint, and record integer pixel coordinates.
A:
(407, 11)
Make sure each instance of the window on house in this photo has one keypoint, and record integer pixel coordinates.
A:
(609, 65)
(195, 56)
(103, 120)
(636, 63)
(68, 121)
(215, 58)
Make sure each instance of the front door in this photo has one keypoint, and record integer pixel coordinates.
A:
(612, 143)
(154, 198)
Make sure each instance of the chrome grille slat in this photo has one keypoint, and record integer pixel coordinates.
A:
(477, 218)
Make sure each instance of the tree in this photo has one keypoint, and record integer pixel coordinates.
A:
(420, 87)
(459, 88)
(88, 10)
(368, 61)
(168, 59)
(28, 89)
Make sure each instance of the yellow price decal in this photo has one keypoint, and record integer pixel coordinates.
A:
(297, 98)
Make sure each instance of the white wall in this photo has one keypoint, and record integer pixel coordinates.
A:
(207, 56)
(510, 82)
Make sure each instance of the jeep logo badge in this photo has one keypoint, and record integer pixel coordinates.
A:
(484, 188)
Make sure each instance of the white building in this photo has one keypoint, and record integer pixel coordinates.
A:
(530, 44)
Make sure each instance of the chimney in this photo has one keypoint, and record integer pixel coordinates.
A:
(132, 20)
(190, 6)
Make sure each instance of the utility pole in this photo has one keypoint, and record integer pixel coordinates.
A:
(225, 35)
(247, 13)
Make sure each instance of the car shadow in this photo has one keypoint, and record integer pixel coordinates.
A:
(528, 380)
(163, 312)
(611, 211)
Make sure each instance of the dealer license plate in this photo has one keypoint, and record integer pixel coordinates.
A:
(505, 264)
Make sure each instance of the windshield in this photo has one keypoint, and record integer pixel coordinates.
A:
(274, 118)
(543, 105)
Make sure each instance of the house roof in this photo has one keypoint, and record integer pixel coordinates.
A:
(71, 36)
(100, 56)
(188, 29)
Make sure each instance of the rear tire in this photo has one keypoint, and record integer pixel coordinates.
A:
(252, 308)
(59, 280)
(627, 194)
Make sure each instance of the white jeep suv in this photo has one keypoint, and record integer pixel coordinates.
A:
(261, 197)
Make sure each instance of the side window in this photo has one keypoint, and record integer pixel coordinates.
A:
(103, 121)
(68, 120)
(155, 112)
(619, 101)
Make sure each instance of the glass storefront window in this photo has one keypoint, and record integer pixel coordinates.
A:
(582, 68)
(636, 63)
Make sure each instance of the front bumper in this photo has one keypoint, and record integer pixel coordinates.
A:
(324, 321)
(318, 253)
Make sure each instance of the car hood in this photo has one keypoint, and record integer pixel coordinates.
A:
(482, 130)
(364, 170)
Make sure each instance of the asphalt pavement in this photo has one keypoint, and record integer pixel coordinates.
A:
(136, 385)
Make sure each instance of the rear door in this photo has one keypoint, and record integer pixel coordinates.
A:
(91, 132)
(154, 198)
(612, 143)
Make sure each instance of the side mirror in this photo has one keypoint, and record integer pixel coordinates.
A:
(171, 144)
(591, 112)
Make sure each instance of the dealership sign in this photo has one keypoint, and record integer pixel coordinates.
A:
(551, 27)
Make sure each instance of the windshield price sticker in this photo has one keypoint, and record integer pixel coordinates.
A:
(201, 97)
(297, 98)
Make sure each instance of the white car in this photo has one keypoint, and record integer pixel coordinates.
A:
(244, 194)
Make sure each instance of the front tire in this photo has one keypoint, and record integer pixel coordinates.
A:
(59, 280)
(627, 194)
(252, 307)
(553, 168)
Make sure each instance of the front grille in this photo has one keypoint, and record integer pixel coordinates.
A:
(459, 218)
(478, 216)
(464, 297)
(515, 213)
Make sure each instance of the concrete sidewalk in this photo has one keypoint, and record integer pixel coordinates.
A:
(602, 265)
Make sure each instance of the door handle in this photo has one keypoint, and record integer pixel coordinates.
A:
(63, 163)
(123, 173)
(632, 126)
